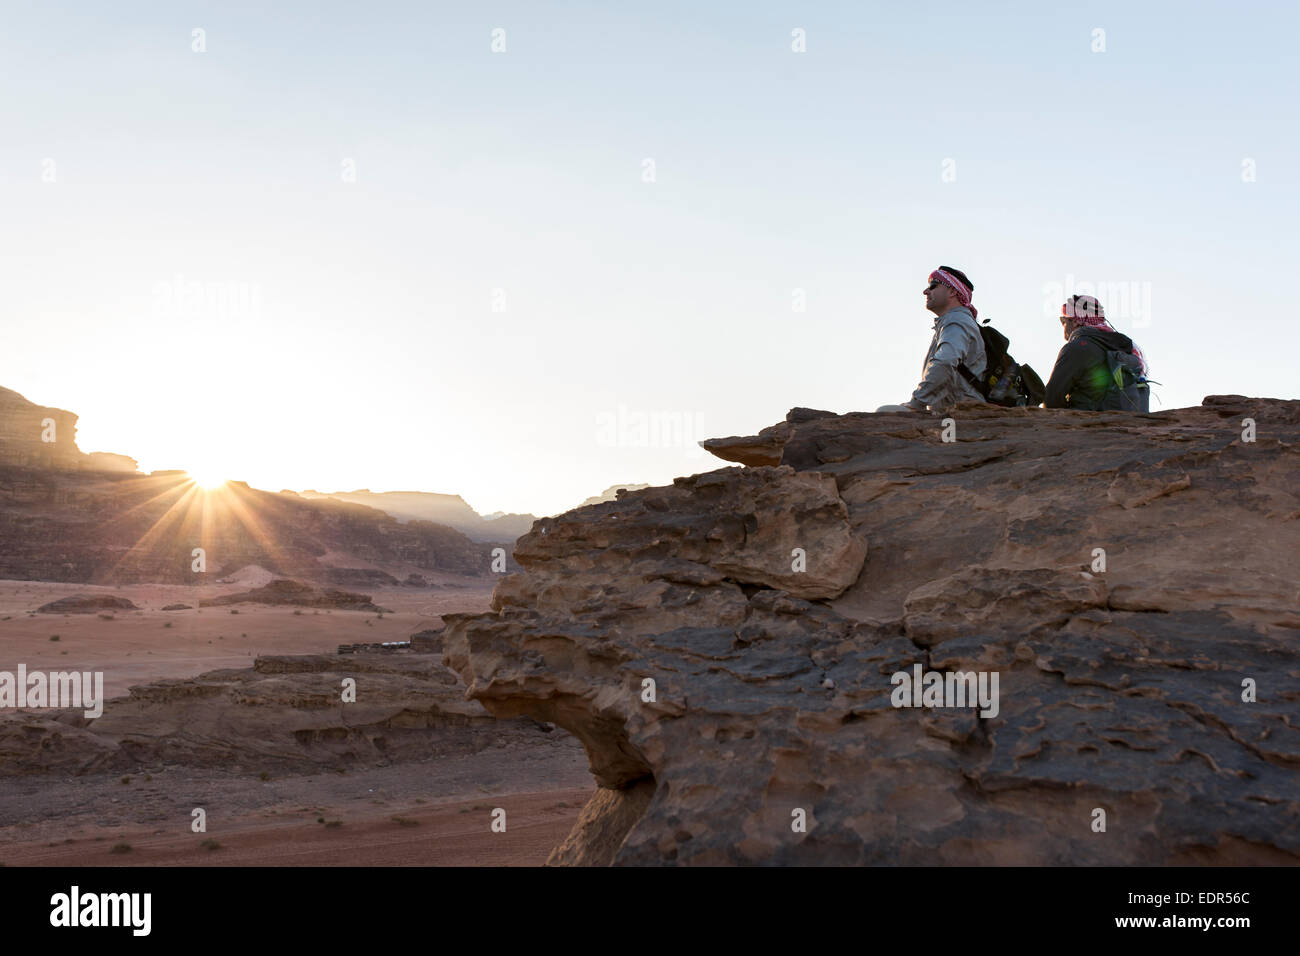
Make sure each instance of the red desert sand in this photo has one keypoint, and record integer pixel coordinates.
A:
(437, 812)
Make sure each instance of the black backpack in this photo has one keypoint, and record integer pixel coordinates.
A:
(1127, 389)
(1005, 381)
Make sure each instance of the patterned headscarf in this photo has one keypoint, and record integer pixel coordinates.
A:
(1086, 310)
(952, 282)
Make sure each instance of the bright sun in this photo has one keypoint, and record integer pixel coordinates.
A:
(207, 479)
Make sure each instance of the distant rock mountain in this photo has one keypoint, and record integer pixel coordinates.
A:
(107, 461)
(611, 494)
(110, 527)
(451, 510)
(39, 436)
(69, 516)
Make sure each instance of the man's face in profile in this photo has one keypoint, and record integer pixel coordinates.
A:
(937, 297)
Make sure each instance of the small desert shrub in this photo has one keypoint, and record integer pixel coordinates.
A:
(121, 848)
(334, 823)
(126, 779)
(54, 637)
(320, 819)
(406, 822)
(107, 617)
(297, 610)
(233, 611)
(167, 623)
(263, 776)
(210, 845)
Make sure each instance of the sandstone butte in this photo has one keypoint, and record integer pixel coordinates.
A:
(1125, 690)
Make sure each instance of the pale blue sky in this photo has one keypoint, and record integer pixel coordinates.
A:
(373, 357)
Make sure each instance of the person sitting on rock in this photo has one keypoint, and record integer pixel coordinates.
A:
(1094, 354)
(957, 341)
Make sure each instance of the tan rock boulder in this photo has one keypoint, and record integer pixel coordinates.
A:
(1060, 612)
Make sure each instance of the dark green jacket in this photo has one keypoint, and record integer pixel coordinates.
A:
(1082, 378)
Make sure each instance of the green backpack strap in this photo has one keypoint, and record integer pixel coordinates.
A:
(1129, 382)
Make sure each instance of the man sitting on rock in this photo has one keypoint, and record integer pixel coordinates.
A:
(1094, 354)
(957, 341)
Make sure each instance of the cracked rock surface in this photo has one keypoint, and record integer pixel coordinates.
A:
(1131, 580)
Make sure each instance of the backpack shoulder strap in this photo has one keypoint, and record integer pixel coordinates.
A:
(995, 357)
(975, 383)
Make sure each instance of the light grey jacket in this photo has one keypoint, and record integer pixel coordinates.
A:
(956, 340)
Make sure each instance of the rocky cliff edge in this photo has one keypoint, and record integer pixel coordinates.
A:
(731, 649)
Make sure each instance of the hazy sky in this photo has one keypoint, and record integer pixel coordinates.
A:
(348, 245)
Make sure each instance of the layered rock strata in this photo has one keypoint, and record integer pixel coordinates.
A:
(728, 649)
(285, 714)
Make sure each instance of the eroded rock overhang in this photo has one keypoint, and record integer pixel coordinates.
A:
(724, 646)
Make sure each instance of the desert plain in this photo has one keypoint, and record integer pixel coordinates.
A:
(434, 808)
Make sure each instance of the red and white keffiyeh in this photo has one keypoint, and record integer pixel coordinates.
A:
(1086, 310)
(952, 282)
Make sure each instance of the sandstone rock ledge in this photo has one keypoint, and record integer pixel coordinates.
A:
(1120, 689)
